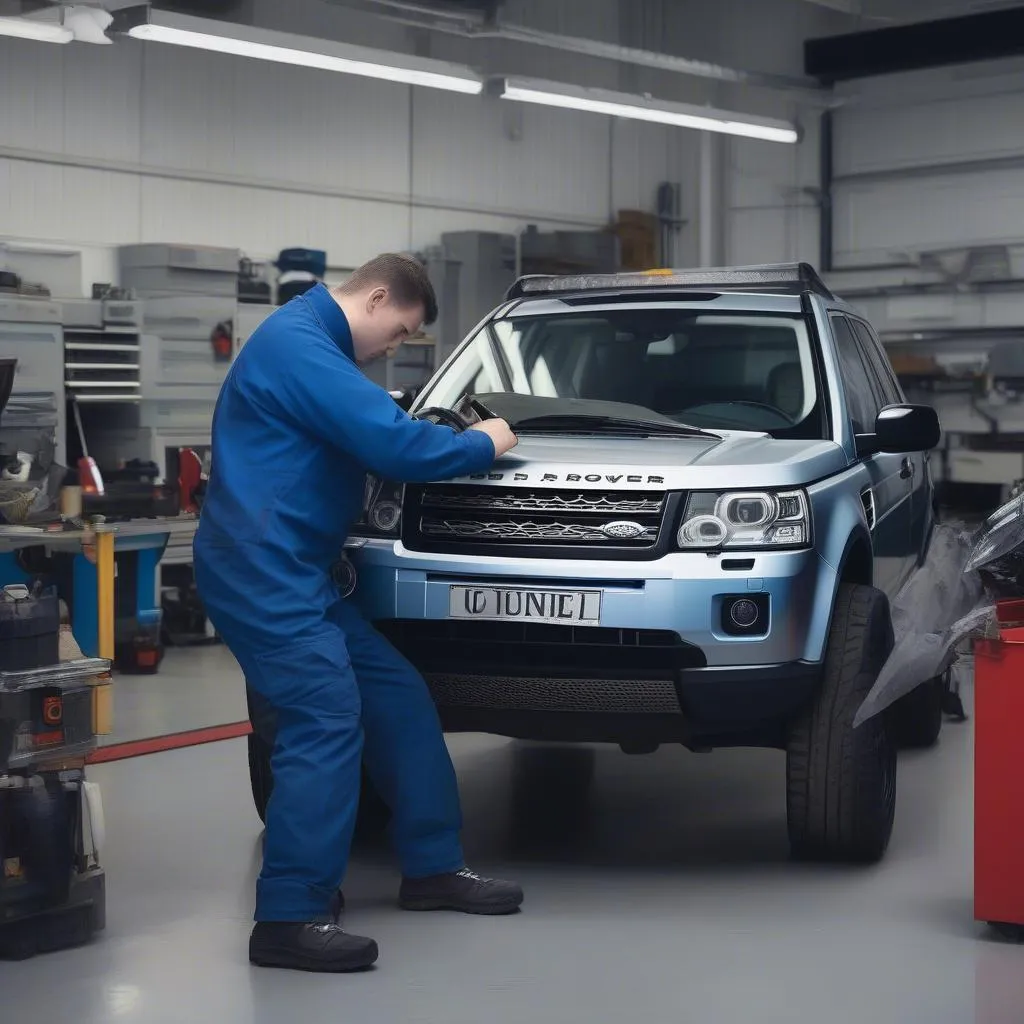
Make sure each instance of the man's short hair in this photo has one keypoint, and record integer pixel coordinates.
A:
(403, 276)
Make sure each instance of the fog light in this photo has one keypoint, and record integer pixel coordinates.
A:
(744, 613)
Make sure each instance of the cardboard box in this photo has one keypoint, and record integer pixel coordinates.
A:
(638, 239)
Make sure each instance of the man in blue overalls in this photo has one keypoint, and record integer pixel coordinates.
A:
(296, 428)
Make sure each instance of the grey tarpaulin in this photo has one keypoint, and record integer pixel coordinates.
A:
(950, 597)
(938, 606)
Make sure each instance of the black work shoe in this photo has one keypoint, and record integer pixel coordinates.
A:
(461, 890)
(310, 947)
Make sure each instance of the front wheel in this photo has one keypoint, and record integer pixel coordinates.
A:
(373, 814)
(841, 781)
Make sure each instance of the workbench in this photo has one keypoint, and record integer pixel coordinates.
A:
(93, 575)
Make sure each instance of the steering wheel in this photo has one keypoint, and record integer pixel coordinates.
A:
(444, 416)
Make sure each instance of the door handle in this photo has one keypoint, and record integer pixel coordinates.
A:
(906, 469)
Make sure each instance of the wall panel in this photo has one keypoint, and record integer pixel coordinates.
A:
(102, 146)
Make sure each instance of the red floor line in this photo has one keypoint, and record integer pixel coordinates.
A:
(173, 741)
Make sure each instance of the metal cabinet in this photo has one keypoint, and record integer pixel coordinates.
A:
(34, 420)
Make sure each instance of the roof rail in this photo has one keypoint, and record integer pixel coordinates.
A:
(788, 278)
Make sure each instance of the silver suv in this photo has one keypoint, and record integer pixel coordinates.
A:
(718, 488)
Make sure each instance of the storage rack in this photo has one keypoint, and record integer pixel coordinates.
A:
(953, 325)
(102, 350)
(34, 420)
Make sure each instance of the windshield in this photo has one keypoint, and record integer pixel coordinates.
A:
(718, 371)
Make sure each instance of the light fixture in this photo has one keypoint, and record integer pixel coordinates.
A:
(88, 24)
(616, 104)
(303, 51)
(40, 31)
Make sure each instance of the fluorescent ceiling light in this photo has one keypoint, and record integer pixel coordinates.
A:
(302, 51)
(616, 104)
(41, 31)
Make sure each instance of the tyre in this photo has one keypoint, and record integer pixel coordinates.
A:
(841, 781)
(917, 717)
(373, 814)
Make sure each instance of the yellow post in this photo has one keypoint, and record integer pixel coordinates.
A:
(105, 592)
(103, 710)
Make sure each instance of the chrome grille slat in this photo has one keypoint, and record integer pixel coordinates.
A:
(531, 501)
(526, 531)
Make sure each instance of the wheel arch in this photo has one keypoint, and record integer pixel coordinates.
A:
(858, 562)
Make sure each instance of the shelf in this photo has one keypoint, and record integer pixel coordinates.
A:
(91, 346)
(86, 399)
(100, 331)
(101, 366)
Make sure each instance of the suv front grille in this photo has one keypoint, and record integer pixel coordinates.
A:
(554, 501)
(534, 523)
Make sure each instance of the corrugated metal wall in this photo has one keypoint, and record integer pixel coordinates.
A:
(929, 162)
(126, 143)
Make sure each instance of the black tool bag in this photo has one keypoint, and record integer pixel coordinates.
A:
(29, 628)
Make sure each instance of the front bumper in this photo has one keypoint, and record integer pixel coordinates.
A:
(659, 667)
(681, 593)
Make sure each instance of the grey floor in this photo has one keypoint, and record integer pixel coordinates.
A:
(658, 890)
(196, 687)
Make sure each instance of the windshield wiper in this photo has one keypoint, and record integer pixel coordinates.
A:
(581, 422)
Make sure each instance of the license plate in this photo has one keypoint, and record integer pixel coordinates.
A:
(568, 607)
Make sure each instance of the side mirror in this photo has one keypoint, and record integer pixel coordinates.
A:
(902, 429)
(403, 399)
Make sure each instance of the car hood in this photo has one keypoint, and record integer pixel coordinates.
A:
(730, 462)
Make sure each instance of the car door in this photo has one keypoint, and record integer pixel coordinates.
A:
(887, 492)
(914, 463)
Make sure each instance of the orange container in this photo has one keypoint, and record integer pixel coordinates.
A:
(999, 771)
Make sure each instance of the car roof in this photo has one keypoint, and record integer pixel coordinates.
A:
(793, 279)
(593, 302)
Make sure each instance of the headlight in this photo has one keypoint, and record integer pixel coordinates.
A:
(746, 519)
(382, 509)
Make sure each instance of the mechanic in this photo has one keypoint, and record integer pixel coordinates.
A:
(296, 427)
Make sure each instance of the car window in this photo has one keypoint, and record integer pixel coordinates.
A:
(733, 371)
(862, 397)
(475, 371)
(878, 362)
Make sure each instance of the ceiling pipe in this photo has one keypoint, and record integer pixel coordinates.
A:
(408, 12)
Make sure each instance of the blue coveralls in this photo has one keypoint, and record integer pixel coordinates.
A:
(296, 427)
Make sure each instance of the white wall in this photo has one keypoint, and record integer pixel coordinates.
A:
(929, 162)
(772, 211)
(101, 146)
(922, 162)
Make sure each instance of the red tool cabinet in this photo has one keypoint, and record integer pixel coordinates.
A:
(999, 774)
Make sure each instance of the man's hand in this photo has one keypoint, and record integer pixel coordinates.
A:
(500, 433)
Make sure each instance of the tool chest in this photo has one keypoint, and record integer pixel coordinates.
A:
(52, 886)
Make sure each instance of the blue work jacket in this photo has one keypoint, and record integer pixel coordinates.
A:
(296, 427)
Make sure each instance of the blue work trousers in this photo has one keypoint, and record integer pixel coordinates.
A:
(343, 697)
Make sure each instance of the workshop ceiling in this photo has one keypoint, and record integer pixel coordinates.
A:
(746, 54)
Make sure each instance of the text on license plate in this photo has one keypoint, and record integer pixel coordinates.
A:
(578, 607)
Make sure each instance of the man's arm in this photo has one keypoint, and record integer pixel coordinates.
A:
(328, 395)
